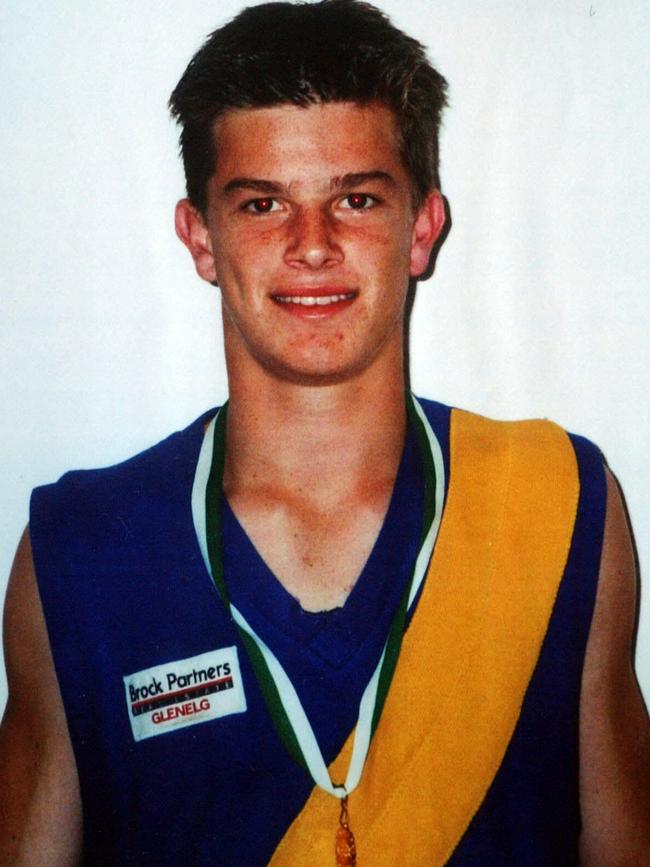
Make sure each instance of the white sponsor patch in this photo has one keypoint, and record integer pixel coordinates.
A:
(183, 693)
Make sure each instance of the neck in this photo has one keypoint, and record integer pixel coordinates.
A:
(308, 464)
(315, 438)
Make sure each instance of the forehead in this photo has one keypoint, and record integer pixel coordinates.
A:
(324, 139)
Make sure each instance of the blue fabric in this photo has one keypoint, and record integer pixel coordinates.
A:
(330, 656)
(124, 588)
(530, 815)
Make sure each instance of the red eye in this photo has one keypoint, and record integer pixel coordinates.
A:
(262, 206)
(358, 200)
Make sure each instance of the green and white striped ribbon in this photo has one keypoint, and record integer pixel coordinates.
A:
(281, 698)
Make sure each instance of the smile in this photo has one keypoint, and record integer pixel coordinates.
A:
(316, 303)
(314, 300)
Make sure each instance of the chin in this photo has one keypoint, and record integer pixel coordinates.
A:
(316, 372)
(331, 361)
(315, 378)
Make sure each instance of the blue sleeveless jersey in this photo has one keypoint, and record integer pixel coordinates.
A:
(141, 643)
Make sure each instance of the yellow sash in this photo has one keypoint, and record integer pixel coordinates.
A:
(467, 656)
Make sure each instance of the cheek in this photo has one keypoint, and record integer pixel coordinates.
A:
(245, 254)
(386, 262)
(388, 243)
(231, 265)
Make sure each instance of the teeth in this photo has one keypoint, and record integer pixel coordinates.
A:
(313, 300)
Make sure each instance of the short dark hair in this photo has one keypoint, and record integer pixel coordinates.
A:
(305, 53)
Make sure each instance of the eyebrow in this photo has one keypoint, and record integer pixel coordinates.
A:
(258, 184)
(357, 179)
(341, 182)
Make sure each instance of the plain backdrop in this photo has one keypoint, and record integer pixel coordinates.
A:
(539, 304)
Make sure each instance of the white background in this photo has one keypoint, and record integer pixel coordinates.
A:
(538, 307)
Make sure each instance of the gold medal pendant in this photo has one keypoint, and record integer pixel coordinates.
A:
(346, 849)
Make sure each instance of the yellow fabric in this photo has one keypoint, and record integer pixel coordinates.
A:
(467, 656)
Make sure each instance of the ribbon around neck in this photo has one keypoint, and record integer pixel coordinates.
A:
(282, 700)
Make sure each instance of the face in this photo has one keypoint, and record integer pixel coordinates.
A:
(311, 235)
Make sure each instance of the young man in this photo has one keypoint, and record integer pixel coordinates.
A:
(238, 647)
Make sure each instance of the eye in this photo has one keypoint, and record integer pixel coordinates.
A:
(358, 201)
(261, 206)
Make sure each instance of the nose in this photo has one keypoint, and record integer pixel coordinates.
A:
(312, 241)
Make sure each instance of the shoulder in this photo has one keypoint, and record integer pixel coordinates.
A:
(99, 522)
(536, 445)
(28, 661)
(97, 496)
(540, 439)
(37, 766)
(172, 452)
(614, 725)
(611, 637)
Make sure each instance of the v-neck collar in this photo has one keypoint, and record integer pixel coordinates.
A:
(334, 636)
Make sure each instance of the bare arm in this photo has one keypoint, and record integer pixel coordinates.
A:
(614, 726)
(40, 819)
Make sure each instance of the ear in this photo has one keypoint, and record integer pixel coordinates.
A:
(427, 227)
(191, 229)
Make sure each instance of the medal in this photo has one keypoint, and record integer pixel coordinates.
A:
(346, 849)
(282, 700)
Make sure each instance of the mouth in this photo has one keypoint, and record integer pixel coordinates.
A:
(315, 304)
(314, 300)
